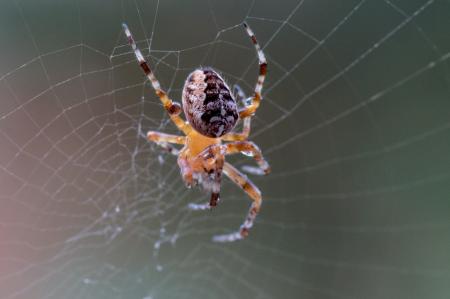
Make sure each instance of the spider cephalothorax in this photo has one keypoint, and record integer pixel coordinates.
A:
(208, 103)
(212, 113)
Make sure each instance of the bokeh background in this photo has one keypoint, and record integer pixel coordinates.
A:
(355, 122)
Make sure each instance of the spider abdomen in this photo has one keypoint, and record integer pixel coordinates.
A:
(208, 103)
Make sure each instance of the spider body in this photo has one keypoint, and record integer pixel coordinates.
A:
(212, 112)
(208, 103)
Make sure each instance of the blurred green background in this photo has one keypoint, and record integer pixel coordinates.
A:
(355, 123)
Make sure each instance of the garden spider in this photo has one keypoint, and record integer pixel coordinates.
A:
(211, 111)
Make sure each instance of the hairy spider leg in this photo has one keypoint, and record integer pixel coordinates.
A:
(250, 149)
(173, 108)
(240, 96)
(250, 110)
(163, 140)
(254, 193)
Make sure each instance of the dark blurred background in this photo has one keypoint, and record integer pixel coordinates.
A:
(355, 123)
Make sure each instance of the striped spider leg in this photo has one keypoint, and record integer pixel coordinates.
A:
(250, 110)
(173, 108)
(251, 104)
(253, 192)
(240, 97)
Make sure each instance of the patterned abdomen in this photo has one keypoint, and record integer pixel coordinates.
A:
(208, 103)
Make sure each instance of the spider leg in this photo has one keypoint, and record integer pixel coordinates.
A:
(240, 96)
(163, 139)
(207, 205)
(173, 108)
(158, 137)
(185, 168)
(239, 93)
(254, 193)
(250, 149)
(169, 148)
(210, 161)
(250, 110)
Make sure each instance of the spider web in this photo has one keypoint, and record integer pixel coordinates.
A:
(355, 123)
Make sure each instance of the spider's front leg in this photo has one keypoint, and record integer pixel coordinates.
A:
(208, 165)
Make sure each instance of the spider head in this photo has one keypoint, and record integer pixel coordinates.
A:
(208, 104)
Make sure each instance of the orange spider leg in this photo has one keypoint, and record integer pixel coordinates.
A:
(158, 137)
(248, 148)
(250, 109)
(162, 139)
(173, 108)
(239, 136)
(253, 192)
